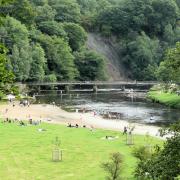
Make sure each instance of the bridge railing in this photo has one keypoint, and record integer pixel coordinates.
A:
(92, 82)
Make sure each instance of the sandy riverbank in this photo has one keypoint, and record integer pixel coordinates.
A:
(54, 114)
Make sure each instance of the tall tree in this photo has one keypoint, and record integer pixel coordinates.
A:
(24, 11)
(67, 10)
(169, 69)
(163, 163)
(6, 77)
(91, 65)
(16, 37)
(37, 70)
(141, 56)
(76, 34)
(45, 13)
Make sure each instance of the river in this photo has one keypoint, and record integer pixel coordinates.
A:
(128, 107)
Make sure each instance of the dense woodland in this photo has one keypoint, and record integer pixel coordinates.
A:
(46, 39)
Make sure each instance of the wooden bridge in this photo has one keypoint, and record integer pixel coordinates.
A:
(90, 85)
(139, 83)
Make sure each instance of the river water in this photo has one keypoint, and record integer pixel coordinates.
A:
(128, 107)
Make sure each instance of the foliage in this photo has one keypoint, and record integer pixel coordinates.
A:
(50, 78)
(45, 13)
(6, 76)
(76, 34)
(38, 63)
(66, 10)
(164, 163)
(52, 28)
(157, 19)
(90, 65)
(34, 36)
(23, 11)
(142, 30)
(113, 167)
(141, 57)
(169, 69)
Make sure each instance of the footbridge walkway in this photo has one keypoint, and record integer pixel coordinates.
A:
(90, 85)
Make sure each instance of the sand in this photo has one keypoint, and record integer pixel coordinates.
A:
(54, 114)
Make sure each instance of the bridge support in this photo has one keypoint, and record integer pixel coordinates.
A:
(67, 88)
(95, 89)
(39, 89)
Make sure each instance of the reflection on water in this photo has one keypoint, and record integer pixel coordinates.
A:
(131, 108)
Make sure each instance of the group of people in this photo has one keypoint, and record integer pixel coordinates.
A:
(24, 103)
(125, 131)
(37, 122)
(75, 126)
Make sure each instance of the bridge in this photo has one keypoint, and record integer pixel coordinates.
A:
(139, 83)
(89, 85)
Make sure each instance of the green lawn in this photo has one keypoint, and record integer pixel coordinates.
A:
(25, 153)
(168, 99)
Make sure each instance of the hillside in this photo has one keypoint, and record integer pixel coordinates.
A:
(105, 47)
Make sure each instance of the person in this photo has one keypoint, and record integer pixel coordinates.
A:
(77, 125)
(6, 110)
(30, 121)
(125, 130)
(21, 123)
(151, 118)
(69, 125)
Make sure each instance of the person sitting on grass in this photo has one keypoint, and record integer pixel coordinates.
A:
(21, 123)
(110, 137)
(69, 125)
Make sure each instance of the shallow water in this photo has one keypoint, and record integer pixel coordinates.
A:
(132, 109)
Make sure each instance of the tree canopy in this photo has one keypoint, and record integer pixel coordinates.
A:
(50, 35)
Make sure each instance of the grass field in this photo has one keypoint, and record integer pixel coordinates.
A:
(168, 99)
(26, 153)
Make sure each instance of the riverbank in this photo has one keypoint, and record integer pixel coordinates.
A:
(169, 99)
(54, 114)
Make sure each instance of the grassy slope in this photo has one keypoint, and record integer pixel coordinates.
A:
(172, 100)
(25, 153)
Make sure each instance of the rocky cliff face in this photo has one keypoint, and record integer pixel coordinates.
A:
(105, 47)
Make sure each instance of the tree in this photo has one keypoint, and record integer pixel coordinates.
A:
(38, 63)
(16, 37)
(91, 66)
(21, 59)
(67, 10)
(76, 34)
(23, 11)
(164, 12)
(52, 28)
(165, 162)
(141, 56)
(169, 69)
(13, 32)
(6, 76)
(113, 168)
(60, 61)
(45, 13)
